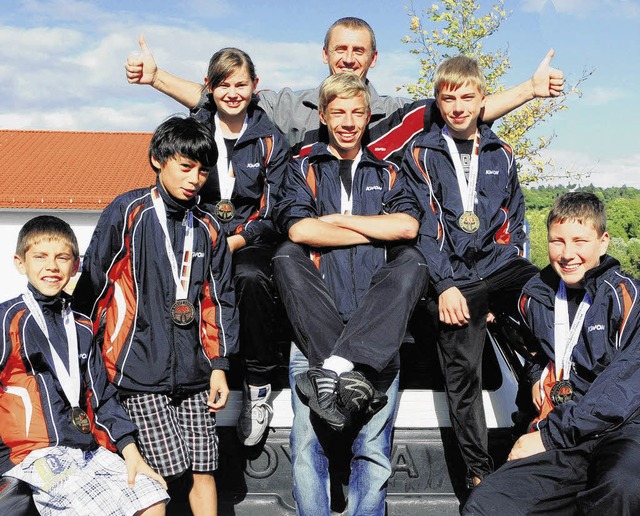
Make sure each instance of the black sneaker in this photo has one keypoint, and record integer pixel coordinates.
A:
(319, 387)
(355, 392)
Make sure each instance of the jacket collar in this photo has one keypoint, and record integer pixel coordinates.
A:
(433, 139)
(320, 153)
(543, 287)
(175, 208)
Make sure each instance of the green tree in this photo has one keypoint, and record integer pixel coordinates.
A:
(457, 27)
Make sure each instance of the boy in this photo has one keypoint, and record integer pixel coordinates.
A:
(156, 281)
(582, 455)
(59, 411)
(472, 236)
(340, 207)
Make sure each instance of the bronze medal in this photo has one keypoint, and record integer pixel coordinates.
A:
(469, 222)
(561, 392)
(80, 420)
(183, 312)
(225, 210)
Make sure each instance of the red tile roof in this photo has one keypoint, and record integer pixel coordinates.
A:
(70, 170)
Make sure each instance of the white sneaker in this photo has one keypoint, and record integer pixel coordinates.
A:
(255, 415)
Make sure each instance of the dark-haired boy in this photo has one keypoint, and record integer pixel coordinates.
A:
(156, 281)
(61, 419)
(582, 454)
(472, 237)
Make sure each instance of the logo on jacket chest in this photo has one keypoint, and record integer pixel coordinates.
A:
(491, 172)
(373, 187)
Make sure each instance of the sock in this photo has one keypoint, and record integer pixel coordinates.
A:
(259, 391)
(337, 364)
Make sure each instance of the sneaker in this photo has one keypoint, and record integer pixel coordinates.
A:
(356, 394)
(255, 415)
(319, 387)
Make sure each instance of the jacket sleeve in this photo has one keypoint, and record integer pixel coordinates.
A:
(113, 427)
(534, 362)
(515, 206)
(401, 198)
(613, 397)
(402, 121)
(431, 236)
(219, 319)
(106, 246)
(298, 201)
(260, 227)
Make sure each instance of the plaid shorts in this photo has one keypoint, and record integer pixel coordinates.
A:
(175, 434)
(72, 482)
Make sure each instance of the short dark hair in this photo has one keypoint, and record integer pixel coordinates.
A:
(45, 227)
(580, 207)
(351, 23)
(184, 136)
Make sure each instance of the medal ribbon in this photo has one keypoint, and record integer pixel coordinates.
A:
(346, 200)
(467, 190)
(182, 277)
(565, 337)
(224, 167)
(69, 379)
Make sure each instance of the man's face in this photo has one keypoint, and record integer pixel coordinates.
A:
(182, 177)
(49, 264)
(346, 120)
(349, 51)
(460, 108)
(574, 248)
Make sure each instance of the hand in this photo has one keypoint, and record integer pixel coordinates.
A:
(218, 390)
(452, 307)
(141, 69)
(527, 445)
(536, 396)
(136, 464)
(547, 81)
(236, 242)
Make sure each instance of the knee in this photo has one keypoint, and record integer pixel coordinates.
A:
(251, 278)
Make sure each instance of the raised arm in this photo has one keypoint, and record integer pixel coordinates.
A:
(546, 81)
(142, 69)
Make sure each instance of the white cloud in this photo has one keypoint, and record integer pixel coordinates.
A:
(601, 95)
(624, 8)
(588, 169)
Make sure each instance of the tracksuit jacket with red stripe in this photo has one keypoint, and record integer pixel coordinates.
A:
(34, 411)
(606, 359)
(259, 160)
(394, 120)
(313, 189)
(127, 288)
(456, 257)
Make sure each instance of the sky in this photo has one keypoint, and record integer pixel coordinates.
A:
(62, 62)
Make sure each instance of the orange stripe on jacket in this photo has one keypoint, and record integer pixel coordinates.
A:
(416, 158)
(14, 432)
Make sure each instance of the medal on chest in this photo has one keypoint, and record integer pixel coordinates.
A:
(469, 222)
(183, 312)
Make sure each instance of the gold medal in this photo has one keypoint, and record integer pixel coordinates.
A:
(469, 222)
(225, 210)
(80, 420)
(183, 312)
(561, 392)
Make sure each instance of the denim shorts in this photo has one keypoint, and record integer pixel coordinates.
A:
(175, 434)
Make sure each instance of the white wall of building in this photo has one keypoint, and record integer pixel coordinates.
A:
(11, 282)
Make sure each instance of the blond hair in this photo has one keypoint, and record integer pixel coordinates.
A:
(458, 71)
(345, 85)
